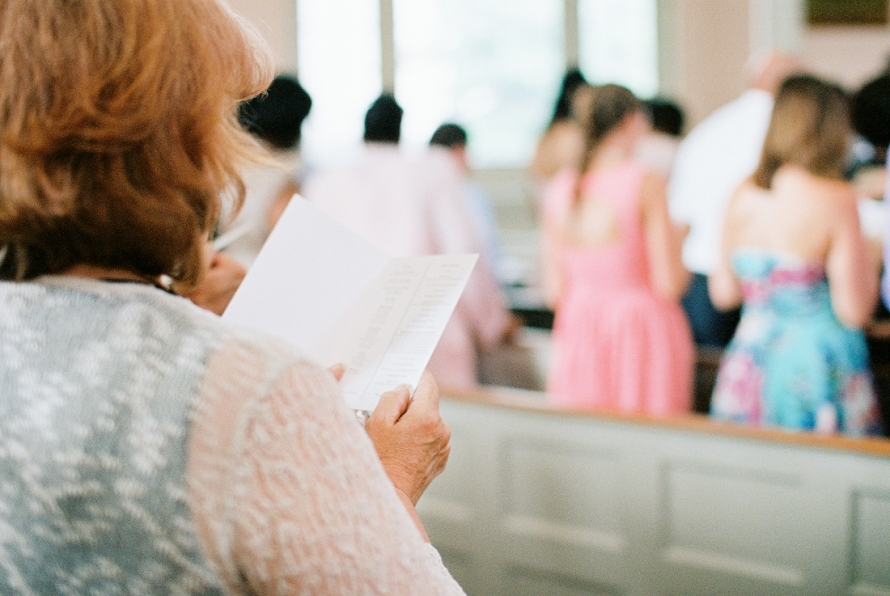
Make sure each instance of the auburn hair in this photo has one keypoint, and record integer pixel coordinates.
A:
(118, 131)
(810, 127)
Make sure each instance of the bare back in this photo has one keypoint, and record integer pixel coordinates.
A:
(805, 216)
(797, 216)
(622, 210)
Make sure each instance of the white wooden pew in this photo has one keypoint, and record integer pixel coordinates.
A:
(537, 501)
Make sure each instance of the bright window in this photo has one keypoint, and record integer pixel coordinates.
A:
(339, 61)
(492, 66)
(618, 42)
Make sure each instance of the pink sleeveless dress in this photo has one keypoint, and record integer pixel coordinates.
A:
(616, 344)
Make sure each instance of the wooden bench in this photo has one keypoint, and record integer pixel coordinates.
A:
(541, 501)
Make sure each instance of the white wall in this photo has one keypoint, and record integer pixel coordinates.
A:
(276, 20)
(705, 44)
(849, 55)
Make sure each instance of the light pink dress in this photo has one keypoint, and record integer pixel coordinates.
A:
(616, 344)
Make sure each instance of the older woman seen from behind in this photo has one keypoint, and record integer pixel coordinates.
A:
(146, 446)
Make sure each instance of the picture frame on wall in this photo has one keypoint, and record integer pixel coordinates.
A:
(847, 12)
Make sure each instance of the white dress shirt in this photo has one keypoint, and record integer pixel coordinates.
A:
(712, 161)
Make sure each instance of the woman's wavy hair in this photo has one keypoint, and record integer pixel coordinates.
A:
(610, 106)
(810, 127)
(118, 131)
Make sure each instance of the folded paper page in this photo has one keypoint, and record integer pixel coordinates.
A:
(338, 299)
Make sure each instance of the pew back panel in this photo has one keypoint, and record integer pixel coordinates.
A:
(541, 502)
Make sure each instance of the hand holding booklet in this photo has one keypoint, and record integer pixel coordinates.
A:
(340, 300)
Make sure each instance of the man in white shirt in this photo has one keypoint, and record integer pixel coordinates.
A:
(712, 161)
(408, 207)
(453, 139)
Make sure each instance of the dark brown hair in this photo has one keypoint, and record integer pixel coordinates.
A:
(118, 131)
(610, 106)
(810, 128)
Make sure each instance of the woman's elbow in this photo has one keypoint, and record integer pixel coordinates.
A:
(724, 296)
(670, 292)
(856, 309)
(551, 289)
(856, 316)
(551, 298)
(673, 287)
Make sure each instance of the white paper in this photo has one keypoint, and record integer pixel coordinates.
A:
(339, 299)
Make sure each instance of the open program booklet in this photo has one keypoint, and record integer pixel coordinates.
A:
(338, 299)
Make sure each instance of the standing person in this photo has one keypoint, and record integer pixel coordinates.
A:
(453, 138)
(658, 148)
(147, 446)
(613, 275)
(562, 143)
(870, 113)
(378, 194)
(711, 162)
(410, 207)
(793, 253)
(275, 118)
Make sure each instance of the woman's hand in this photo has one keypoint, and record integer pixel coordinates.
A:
(411, 438)
(222, 277)
(338, 370)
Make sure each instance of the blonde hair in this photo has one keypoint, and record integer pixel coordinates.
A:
(118, 132)
(810, 127)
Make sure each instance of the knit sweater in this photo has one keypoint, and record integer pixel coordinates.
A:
(146, 447)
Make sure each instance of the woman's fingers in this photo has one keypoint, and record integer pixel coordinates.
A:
(338, 370)
(392, 405)
(411, 439)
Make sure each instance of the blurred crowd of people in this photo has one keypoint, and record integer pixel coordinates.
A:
(655, 243)
(757, 222)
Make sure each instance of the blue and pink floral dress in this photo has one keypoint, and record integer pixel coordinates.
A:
(792, 363)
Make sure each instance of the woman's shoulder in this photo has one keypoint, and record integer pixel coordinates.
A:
(747, 195)
(242, 344)
(626, 172)
(798, 184)
(253, 364)
(561, 145)
(559, 194)
(190, 323)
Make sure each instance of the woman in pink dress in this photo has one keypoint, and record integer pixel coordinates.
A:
(613, 275)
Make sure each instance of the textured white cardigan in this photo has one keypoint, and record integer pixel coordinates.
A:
(147, 447)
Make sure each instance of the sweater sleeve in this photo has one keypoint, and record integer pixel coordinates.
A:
(304, 504)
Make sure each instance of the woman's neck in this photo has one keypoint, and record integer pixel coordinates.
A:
(109, 273)
(609, 154)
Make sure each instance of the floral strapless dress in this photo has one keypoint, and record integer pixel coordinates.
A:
(791, 362)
